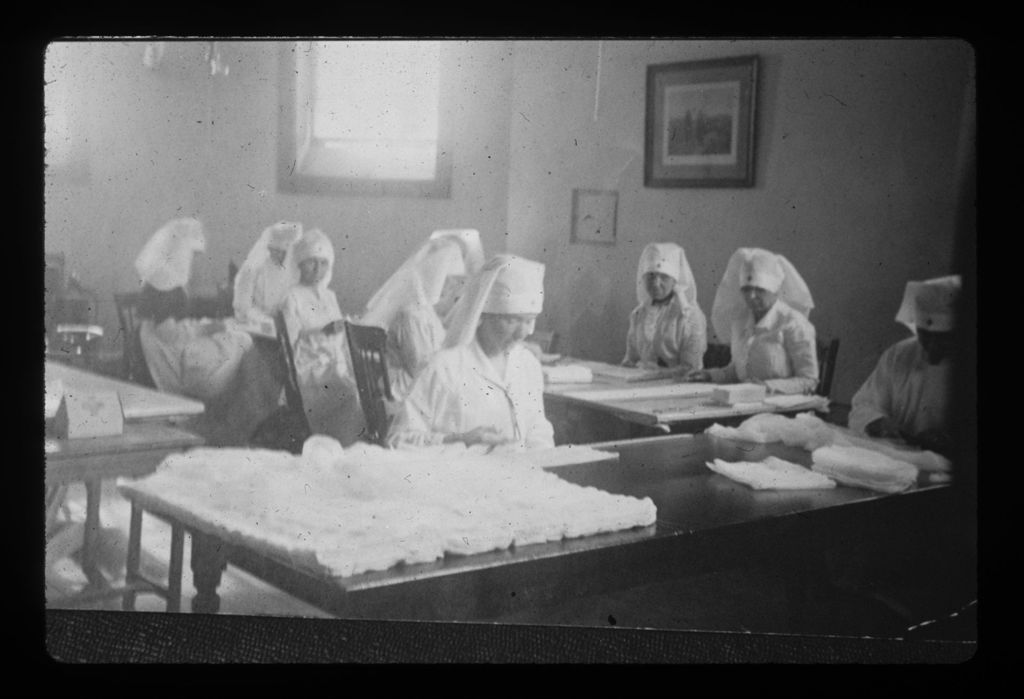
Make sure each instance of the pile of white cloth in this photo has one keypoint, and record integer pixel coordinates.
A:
(366, 508)
(864, 468)
(771, 474)
(810, 432)
(840, 454)
(567, 373)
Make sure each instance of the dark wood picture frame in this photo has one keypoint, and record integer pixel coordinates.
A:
(701, 122)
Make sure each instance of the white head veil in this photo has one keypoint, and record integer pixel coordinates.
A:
(930, 304)
(420, 279)
(313, 243)
(281, 235)
(756, 267)
(506, 284)
(670, 259)
(472, 248)
(166, 259)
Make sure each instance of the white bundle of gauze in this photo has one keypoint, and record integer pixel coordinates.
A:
(771, 474)
(568, 373)
(805, 430)
(864, 468)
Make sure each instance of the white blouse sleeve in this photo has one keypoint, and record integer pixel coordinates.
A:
(873, 400)
(802, 349)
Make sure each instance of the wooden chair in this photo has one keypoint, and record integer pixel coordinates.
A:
(366, 345)
(827, 352)
(133, 361)
(287, 428)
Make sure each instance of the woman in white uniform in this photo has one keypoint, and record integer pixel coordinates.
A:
(667, 329)
(266, 276)
(412, 304)
(484, 387)
(762, 305)
(907, 396)
(187, 356)
(316, 328)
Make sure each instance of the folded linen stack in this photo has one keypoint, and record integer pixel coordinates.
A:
(806, 430)
(864, 468)
(740, 393)
(771, 474)
(567, 373)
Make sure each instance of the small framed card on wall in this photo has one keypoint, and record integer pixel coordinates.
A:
(593, 216)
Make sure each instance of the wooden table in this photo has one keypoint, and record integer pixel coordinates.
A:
(705, 522)
(608, 409)
(147, 438)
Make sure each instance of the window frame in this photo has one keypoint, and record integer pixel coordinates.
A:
(294, 139)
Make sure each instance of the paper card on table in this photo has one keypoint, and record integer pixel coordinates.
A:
(676, 390)
(92, 414)
(733, 394)
(626, 373)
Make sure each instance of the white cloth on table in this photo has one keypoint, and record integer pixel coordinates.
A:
(567, 373)
(906, 389)
(864, 468)
(362, 509)
(771, 474)
(810, 432)
(460, 390)
(805, 430)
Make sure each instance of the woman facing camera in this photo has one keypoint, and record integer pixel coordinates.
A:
(484, 387)
(316, 329)
(667, 329)
(762, 305)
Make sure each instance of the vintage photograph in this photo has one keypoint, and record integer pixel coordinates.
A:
(701, 123)
(499, 334)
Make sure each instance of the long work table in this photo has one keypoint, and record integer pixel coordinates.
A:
(149, 435)
(705, 522)
(610, 407)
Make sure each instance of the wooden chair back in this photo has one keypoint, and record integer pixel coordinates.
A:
(133, 361)
(367, 348)
(827, 352)
(287, 428)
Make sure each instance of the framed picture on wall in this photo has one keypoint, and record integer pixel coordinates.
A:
(701, 118)
(593, 216)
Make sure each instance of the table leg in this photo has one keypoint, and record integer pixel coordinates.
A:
(174, 572)
(93, 490)
(208, 563)
(131, 574)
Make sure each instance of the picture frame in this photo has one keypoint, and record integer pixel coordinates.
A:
(700, 123)
(594, 214)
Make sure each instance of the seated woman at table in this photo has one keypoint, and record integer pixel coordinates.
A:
(667, 329)
(413, 303)
(187, 356)
(907, 396)
(484, 387)
(316, 329)
(762, 306)
(266, 276)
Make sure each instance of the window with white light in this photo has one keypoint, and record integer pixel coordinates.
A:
(363, 117)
